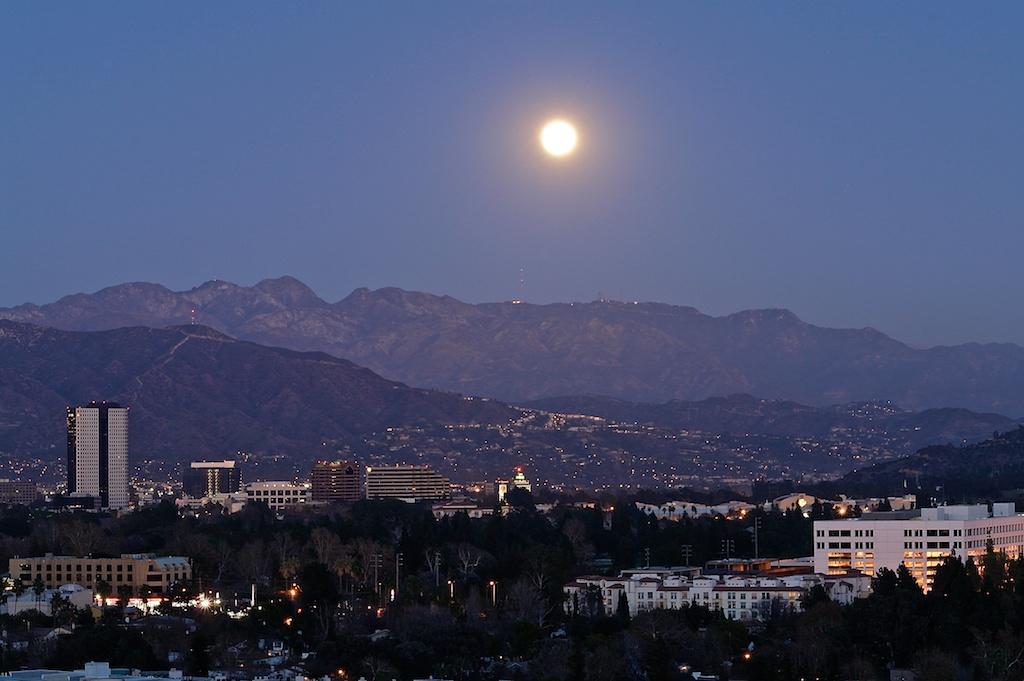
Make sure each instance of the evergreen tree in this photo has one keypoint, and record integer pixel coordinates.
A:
(622, 609)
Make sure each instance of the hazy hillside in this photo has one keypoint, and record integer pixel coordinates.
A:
(905, 430)
(195, 393)
(950, 474)
(647, 352)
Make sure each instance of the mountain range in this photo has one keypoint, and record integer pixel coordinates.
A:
(196, 393)
(515, 352)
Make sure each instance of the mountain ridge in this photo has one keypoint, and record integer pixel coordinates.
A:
(516, 352)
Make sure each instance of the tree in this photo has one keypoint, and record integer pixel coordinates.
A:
(324, 545)
(80, 537)
(124, 593)
(622, 609)
(38, 588)
(883, 584)
(468, 558)
(199, 655)
(816, 595)
(577, 662)
(527, 602)
(103, 590)
(253, 561)
(289, 567)
(993, 569)
(60, 608)
(905, 580)
(319, 596)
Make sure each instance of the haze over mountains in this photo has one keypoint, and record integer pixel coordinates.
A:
(643, 352)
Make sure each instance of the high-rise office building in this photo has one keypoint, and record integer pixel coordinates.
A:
(336, 481)
(98, 453)
(210, 478)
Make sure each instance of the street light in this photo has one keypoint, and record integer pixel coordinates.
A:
(494, 592)
(451, 589)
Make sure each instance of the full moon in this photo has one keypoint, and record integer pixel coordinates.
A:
(558, 138)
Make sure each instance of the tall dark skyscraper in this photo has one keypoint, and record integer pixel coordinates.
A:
(98, 453)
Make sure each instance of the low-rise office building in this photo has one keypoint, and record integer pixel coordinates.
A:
(279, 495)
(18, 492)
(140, 571)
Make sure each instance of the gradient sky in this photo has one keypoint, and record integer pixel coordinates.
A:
(861, 164)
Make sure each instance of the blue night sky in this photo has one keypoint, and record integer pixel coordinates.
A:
(861, 164)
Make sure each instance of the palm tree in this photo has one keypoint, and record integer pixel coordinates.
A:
(38, 587)
(19, 589)
(345, 566)
(289, 568)
(124, 592)
(103, 590)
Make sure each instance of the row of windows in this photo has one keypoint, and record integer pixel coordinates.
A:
(997, 529)
(78, 568)
(117, 579)
(846, 545)
(730, 595)
(930, 545)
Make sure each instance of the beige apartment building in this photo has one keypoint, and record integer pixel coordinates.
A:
(136, 570)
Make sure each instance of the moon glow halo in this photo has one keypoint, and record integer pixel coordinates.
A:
(558, 138)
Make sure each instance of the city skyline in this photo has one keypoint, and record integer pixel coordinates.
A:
(858, 165)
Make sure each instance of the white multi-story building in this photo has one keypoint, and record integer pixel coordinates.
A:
(279, 494)
(740, 596)
(98, 453)
(919, 539)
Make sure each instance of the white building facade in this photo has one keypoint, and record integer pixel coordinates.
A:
(279, 494)
(744, 597)
(920, 539)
